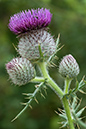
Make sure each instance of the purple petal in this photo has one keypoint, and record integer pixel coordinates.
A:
(29, 20)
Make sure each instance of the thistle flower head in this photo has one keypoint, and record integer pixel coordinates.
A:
(20, 71)
(29, 20)
(28, 46)
(68, 67)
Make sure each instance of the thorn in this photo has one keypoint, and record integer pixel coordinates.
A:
(29, 97)
(56, 112)
(23, 103)
(77, 98)
(55, 57)
(43, 96)
(13, 119)
(78, 105)
(53, 64)
(15, 47)
(45, 91)
(63, 125)
(36, 86)
(78, 126)
(60, 48)
(84, 107)
(50, 65)
(36, 100)
(62, 111)
(80, 100)
(82, 117)
(59, 122)
(45, 87)
(30, 106)
(27, 94)
(59, 35)
(82, 91)
(57, 41)
(24, 94)
(83, 78)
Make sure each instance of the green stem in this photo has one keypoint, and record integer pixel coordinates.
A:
(38, 79)
(67, 85)
(68, 113)
(58, 90)
(52, 84)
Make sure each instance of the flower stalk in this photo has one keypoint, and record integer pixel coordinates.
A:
(68, 113)
(38, 79)
(50, 82)
(67, 85)
(58, 91)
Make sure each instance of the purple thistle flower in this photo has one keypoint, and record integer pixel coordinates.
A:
(20, 71)
(30, 20)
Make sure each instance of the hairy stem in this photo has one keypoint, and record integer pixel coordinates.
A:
(67, 85)
(68, 113)
(38, 79)
(58, 90)
(51, 83)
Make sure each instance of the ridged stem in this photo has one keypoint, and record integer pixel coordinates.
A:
(51, 83)
(67, 85)
(58, 90)
(68, 113)
(38, 79)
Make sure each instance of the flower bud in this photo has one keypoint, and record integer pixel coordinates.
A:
(20, 71)
(68, 67)
(28, 46)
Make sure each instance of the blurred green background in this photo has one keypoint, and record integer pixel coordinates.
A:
(69, 19)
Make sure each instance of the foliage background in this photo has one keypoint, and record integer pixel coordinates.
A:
(69, 19)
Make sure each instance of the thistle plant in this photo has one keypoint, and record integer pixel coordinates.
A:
(37, 47)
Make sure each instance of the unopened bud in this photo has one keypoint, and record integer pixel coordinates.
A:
(68, 67)
(20, 71)
(29, 43)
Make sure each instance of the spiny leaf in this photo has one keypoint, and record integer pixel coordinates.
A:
(78, 106)
(29, 102)
(78, 114)
(20, 113)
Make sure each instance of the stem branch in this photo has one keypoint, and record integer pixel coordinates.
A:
(58, 90)
(67, 85)
(51, 83)
(68, 113)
